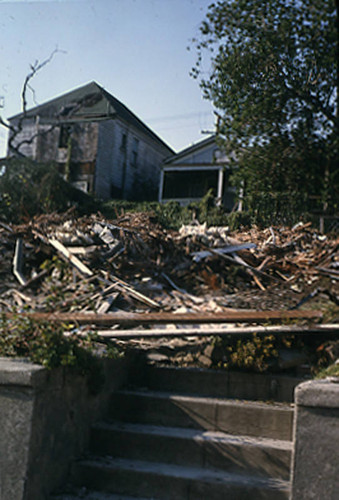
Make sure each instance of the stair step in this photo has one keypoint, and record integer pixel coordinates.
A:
(160, 480)
(193, 447)
(84, 494)
(248, 418)
(218, 383)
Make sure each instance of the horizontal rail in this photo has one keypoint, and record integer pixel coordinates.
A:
(220, 332)
(110, 319)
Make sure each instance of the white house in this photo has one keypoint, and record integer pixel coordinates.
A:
(189, 174)
(97, 142)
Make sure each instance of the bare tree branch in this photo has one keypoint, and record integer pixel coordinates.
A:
(7, 125)
(35, 68)
(17, 129)
(33, 94)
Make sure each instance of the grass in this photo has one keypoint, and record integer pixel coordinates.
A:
(330, 371)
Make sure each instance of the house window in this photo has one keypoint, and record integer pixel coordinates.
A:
(123, 142)
(134, 160)
(64, 135)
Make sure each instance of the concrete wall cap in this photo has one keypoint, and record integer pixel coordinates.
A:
(21, 372)
(318, 393)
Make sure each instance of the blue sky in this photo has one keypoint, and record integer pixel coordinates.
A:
(135, 49)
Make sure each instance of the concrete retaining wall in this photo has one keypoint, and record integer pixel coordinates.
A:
(315, 469)
(45, 418)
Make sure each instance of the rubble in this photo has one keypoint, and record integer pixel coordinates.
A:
(75, 267)
(65, 263)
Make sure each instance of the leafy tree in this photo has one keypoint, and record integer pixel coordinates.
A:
(274, 82)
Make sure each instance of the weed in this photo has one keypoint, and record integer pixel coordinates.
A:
(330, 371)
(52, 345)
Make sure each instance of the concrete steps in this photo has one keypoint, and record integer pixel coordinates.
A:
(85, 494)
(218, 383)
(250, 418)
(179, 442)
(167, 481)
(193, 448)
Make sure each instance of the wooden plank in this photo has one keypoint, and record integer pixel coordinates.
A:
(110, 319)
(198, 256)
(324, 270)
(220, 332)
(133, 293)
(18, 262)
(69, 256)
(235, 259)
(80, 266)
(35, 278)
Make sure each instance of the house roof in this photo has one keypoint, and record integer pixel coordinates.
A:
(192, 149)
(90, 102)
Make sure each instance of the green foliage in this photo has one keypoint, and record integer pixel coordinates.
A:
(28, 188)
(330, 371)
(45, 343)
(236, 220)
(172, 215)
(116, 208)
(257, 353)
(56, 292)
(326, 362)
(273, 81)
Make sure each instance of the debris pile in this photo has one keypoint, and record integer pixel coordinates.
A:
(68, 264)
(167, 291)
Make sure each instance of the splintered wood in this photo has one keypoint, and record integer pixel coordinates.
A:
(91, 271)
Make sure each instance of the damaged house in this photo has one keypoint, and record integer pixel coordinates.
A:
(99, 145)
(188, 175)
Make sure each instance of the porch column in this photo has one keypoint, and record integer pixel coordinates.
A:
(220, 187)
(161, 185)
(241, 198)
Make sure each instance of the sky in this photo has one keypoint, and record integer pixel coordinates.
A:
(135, 49)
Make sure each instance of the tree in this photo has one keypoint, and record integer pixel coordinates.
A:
(14, 145)
(274, 82)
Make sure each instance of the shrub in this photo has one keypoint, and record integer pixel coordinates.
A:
(258, 353)
(45, 343)
(28, 188)
(172, 215)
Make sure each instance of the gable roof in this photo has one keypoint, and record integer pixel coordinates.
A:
(194, 148)
(90, 102)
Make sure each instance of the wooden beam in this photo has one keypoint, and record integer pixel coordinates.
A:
(18, 262)
(220, 332)
(69, 256)
(110, 319)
